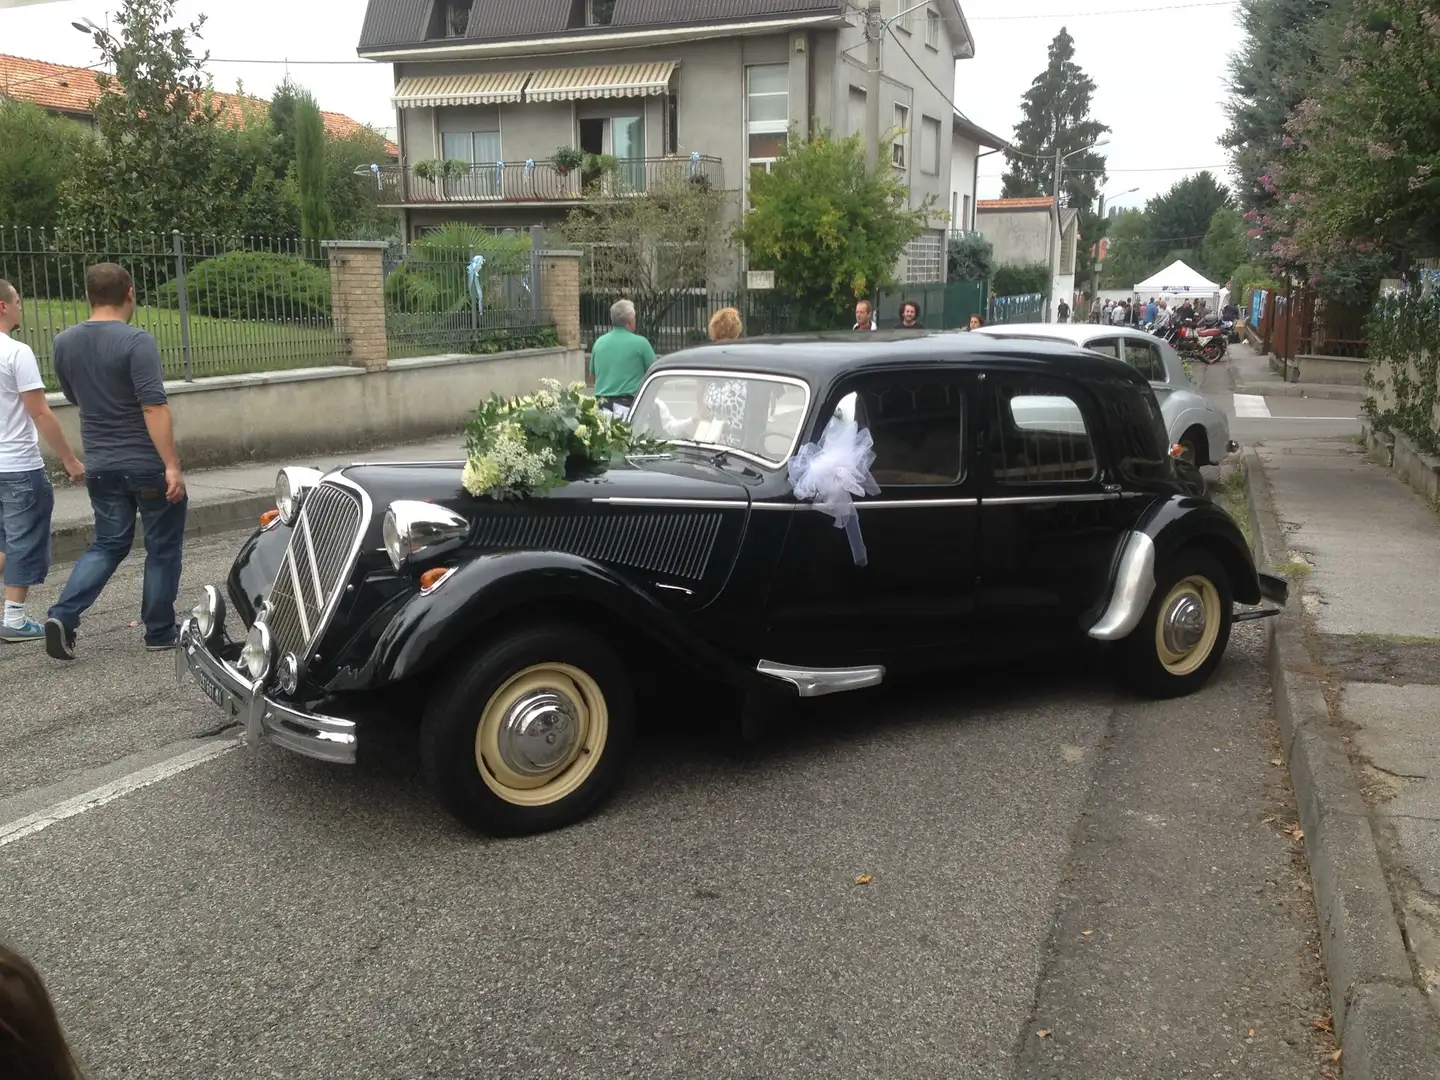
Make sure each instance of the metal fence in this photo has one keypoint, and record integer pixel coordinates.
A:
(215, 305)
(483, 297)
(1029, 307)
(942, 306)
(679, 321)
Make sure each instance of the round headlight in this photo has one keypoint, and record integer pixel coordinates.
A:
(419, 530)
(209, 613)
(291, 483)
(396, 545)
(258, 654)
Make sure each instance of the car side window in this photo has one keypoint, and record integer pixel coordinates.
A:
(1108, 346)
(917, 422)
(1145, 358)
(1038, 435)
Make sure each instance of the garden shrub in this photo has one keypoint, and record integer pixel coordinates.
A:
(254, 285)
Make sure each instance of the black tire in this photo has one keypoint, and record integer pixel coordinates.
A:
(471, 783)
(1144, 667)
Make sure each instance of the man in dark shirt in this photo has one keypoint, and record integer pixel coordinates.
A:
(112, 371)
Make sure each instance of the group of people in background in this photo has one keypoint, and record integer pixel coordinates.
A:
(112, 372)
(908, 317)
(1153, 313)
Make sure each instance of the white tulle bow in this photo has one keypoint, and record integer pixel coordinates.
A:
(829, 473)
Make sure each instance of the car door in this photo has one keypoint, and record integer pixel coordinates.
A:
(1052, 515)
(914, 600)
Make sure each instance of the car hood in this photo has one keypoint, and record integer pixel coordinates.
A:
(650, 478)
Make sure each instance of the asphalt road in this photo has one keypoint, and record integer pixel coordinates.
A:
(1046, 854)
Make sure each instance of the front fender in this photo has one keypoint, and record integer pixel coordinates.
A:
(426, 630)
(252, 574)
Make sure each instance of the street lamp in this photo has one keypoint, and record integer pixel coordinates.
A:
(1095, 263)
(1060, 160)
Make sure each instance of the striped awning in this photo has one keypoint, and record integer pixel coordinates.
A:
(617, 80)
(429, 91)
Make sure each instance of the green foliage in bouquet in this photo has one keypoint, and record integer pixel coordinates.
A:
(517, 447)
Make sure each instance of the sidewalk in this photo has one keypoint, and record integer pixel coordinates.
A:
(225, 499)
(1355, 664)
(1250, 374)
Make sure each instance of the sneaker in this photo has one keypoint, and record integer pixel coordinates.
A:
(168, 644)
(59, 640)
(14, 635)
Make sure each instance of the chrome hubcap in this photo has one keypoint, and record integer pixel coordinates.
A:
(539, 733)
(1184, 626)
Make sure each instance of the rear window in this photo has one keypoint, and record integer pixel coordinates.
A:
(1140, 439)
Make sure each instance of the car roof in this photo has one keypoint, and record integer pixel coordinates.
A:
(1060, 331)
(820, 358)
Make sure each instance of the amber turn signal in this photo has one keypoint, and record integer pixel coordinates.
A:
(1177, 451)
(432, 577)
(268, 518)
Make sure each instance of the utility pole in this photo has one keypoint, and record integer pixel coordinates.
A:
(1054, 234)
(874, 35)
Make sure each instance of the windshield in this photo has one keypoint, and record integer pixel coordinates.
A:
(756, 415)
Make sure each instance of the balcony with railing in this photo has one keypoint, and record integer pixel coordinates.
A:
(461, 184)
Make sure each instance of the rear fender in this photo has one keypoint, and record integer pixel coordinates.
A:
(495, 591)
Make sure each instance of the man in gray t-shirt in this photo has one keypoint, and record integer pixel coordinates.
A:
(112, 371)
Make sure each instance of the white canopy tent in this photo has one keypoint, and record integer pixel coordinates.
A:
(1178, 279)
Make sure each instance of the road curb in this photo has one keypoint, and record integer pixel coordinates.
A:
(68, 542)
(1382, 1019)
(1304, 390)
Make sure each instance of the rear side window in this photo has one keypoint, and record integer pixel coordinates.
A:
(1139, 440)
(1145, 358)
(1040, 436)
(1108, 346)
(917, 421)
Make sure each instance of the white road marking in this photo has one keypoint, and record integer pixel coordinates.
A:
(41, 820)
(1251, 406)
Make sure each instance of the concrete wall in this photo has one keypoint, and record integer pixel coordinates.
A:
(236, 418)
(963, 155)
(1020, 237)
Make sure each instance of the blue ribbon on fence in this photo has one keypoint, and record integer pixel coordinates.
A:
(530, 165)
(694, 162)
(473, 276)
(375, 171)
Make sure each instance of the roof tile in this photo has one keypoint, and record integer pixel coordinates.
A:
(1041, 202)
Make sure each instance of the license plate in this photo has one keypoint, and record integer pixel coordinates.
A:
(215, 693)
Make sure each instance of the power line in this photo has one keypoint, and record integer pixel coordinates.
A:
(1108, 11)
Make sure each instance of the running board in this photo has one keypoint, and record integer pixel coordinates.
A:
(816, 682)
(1250, 616)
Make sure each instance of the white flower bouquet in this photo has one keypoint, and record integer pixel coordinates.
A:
(534, 443)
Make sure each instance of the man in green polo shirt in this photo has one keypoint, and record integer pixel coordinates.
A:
(619, 360)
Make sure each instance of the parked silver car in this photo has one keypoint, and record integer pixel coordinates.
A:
(1191, 420)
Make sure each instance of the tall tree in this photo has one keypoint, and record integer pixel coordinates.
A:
(1224, 247)
(1131, 253)
(282, 126)
(156, 128)
(831, 230)
(1056, 112)
(311, 176)
(1180, 218)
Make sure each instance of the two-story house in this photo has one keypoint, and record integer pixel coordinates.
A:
(650, 87)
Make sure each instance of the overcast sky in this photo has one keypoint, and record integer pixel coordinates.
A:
(1159, 74)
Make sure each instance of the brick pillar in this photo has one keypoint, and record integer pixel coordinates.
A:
(560, 294)
(357, 302)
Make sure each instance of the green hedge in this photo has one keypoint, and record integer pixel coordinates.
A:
(1403, 343)
(254, 285)
(1020, 280)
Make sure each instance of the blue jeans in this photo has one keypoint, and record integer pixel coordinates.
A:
(26, 502)
(117, 497)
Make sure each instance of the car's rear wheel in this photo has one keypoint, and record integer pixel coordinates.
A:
(533, 734)
(1182, 637)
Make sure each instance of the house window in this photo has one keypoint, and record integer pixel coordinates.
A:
(672, 124)
(932, 28)
(449, 19)
(599, 12)
(899, 156)
(856, 115)
(930, 145)
(767, 113)
(965, 213)
(471, 147)
(901, 19)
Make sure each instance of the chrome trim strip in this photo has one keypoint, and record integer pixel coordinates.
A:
(785, 380)
(1134, 585)
(1022, 500)
(675, 588)
(376, 464)
(910, 504)
(704, 504)
(300, 595)
(816, 682)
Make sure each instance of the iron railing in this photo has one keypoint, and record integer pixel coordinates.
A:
(440, 299)
(1029, 307)
(681, 320)
(215, 305)
(539, 181)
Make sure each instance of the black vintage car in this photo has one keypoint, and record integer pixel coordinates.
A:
(1027, 499)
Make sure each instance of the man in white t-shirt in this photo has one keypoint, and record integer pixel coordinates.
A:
(26, 497)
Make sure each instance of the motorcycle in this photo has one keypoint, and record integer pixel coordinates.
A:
(1212, 335)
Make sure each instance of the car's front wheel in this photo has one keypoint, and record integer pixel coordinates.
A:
(1182, 636)
(532, 734)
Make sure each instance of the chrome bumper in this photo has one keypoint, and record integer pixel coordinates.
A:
(325, 737)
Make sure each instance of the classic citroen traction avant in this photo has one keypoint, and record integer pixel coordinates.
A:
(1026, 499)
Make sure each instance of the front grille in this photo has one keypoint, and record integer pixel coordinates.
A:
(321, 554)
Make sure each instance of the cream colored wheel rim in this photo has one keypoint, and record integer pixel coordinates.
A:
(1187, 625)
(541, 735)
